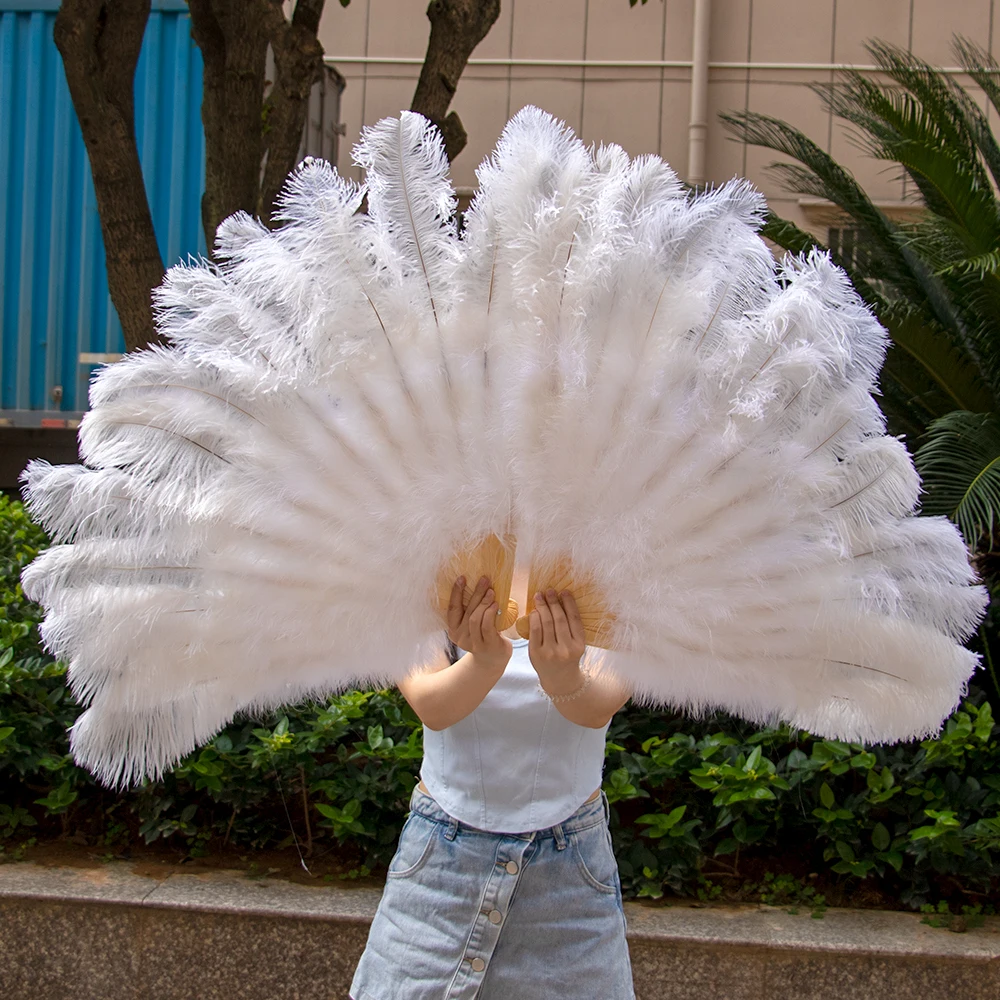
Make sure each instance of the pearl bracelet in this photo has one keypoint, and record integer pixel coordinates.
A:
(560, 698)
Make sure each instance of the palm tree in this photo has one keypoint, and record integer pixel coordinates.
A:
(934, 283)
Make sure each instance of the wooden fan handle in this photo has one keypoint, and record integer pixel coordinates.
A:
(509, 617)
(599, 637)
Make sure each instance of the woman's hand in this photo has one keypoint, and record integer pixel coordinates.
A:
(555, 647)
(472, 626)
(444, 693)
(556, 642)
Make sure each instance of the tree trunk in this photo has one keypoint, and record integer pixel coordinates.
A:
(457, 27)
(100, 41)
(232, 36)
(298, 63)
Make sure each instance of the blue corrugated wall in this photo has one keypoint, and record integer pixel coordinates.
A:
(54, 302)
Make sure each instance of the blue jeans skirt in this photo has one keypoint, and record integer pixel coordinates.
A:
(471, 914)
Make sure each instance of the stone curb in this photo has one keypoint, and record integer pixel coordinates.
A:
(106, 933)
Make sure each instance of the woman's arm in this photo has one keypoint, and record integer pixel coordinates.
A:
(441, 693)
(556, 648)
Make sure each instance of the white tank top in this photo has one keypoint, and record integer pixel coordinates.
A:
(514, 764)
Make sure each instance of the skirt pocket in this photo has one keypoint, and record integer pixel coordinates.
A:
(416, 842)
(595, 858)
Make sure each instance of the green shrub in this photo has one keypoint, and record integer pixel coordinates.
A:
(921, 820)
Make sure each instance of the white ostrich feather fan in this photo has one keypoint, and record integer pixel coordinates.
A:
(601, 369)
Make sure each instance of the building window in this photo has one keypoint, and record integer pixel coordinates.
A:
(848, 249)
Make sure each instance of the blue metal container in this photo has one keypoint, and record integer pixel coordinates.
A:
(56, 314)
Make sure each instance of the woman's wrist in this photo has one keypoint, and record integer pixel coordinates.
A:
(489, 662)
(564, 681)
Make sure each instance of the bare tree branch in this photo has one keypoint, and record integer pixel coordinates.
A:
(457, 27)
(100, 41)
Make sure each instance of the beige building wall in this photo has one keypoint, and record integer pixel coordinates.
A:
(621, 74)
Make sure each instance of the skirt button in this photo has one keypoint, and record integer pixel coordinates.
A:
(511, 867)
(478, 965)
(494, 916)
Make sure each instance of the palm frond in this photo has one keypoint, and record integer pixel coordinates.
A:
(948, 378)
(955, 194)
(926, 374)
(977, 61)
(925, 111)
(914, 280)
(934, 283)
(821, 176)
(838, 183)
(980, 266)
(985, 70)
(787, 235)
(933, 91)
(973, 282)
(886, 265)
(890, 124)
(960, 466)
(906, 398)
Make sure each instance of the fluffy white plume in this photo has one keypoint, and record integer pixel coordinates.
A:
(614, 372)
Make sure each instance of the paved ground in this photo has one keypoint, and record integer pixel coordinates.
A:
(107, 933)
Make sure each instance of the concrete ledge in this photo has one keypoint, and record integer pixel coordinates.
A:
(108, 934)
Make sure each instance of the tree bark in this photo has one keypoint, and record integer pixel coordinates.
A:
(457, 27)
(100, 41)
(232, 36)
(298, 62)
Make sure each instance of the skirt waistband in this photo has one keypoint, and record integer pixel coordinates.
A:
(588, 815)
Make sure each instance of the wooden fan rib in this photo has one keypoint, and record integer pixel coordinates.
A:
(559, 575)
(492, 557)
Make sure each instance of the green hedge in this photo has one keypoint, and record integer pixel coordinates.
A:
(919, 821)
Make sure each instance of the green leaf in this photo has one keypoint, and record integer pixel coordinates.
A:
(826, 795)
(983, 726)
(5, 732)
(726, 846)
(894, 858)
(960, 466)
(880, 837)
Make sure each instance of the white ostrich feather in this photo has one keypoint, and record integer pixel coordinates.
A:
(607, 369)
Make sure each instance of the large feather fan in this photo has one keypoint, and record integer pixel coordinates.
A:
(601, 370)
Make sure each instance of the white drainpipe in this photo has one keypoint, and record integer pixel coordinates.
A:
(698, 125)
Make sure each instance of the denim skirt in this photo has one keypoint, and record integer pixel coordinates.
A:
(494, 916)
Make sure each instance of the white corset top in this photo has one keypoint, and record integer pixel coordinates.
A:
(514, 764)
